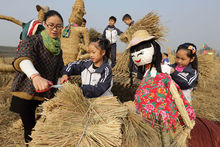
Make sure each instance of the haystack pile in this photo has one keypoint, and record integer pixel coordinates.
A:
(4, 65)
(70, 119)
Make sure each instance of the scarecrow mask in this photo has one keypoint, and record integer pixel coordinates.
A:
(141, 48)
(143, 56)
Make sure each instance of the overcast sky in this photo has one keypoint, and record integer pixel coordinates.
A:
(196, 21)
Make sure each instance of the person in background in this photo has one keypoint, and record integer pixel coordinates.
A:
(84, 23)
(165, 59)
(96, 74)
(127, 20)
(185, 71)
(38, 64)
(111, 33)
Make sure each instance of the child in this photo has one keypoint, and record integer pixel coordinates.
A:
(111, 33)
(165, 59)
(96, 74)
(83, 22)
(185, 71)
(128, 20)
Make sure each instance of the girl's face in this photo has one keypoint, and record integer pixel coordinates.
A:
(53, 26)
(96, 54)
(182, 59)
(143, 57)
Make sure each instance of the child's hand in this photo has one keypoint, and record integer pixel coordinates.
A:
(63, 79)
(172, 70)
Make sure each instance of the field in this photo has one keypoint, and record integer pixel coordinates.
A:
(206, 99)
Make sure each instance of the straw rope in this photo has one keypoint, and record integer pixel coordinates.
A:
(9, 18)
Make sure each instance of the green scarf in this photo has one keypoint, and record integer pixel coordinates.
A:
(53, 45)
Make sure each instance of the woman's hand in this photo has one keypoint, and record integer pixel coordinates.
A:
(39, 82)
(63, 79)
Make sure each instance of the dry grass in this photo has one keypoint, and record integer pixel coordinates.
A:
(206, 103)
(71, 111)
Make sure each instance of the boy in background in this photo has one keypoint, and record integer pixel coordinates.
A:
(165, 59)
(127, 20)
(111, 33)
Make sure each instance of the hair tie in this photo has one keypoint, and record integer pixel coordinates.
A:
(192, 48)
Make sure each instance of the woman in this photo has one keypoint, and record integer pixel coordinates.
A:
(38, 62)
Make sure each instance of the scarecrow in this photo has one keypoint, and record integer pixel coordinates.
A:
(71, 42)
(158, 98)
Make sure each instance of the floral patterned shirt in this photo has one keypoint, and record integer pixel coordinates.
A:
(154, 99)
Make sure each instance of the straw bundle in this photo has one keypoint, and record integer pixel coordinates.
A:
(206, 68)
(78, 11)
(9, 18)
(4, 67)
(149, 22)
(69, 120)
(206, 95)
(71, 45)
(136, 132)
(171, 55)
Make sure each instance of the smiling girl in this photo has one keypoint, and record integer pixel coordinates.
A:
(185, 71)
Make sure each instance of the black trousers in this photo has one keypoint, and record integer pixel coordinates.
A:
(113, 54)
(26, 109)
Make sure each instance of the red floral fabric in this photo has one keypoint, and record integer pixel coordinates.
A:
(154, 99)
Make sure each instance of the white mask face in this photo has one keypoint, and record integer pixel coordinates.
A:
(144, 56)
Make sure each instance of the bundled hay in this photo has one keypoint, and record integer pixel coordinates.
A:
(137, 132)
(206, 100)
(206, 67)
(4, 66)
(149, 22)
(9, 18)
(93, 34)
(70, 120)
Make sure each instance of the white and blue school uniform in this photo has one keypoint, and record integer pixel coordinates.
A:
(186, 79)
(95, 81)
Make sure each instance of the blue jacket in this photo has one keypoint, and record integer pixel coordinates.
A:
(187, 78)
(111, 33)
(95, 82)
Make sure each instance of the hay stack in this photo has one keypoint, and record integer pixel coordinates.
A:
(137, 132)
(69, 119)
(151, 23)
(206, 68)
(5, 67)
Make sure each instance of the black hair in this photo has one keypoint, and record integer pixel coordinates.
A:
(113, 18)
(52, 13)
(103, 44)
(165, 54)
(156, 59)
(126, 16)
(190, 53)
(84, 20)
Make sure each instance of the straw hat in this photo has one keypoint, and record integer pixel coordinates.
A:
(44, 8)
(138, 37)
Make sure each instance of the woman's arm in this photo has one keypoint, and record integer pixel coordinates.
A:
(28, 68)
